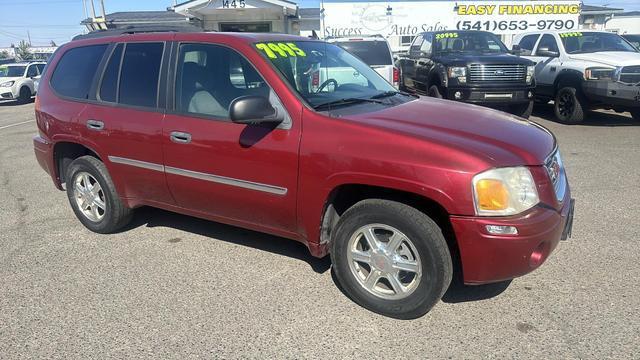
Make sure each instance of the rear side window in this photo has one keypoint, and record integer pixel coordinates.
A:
(109, 85)
(75, 71)
(139, 74)
(527, 43)
(371, 52)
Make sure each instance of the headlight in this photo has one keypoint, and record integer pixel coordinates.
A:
(504, 191)
(459, 73)
(599, 73)
(7, 83)
(531, 70)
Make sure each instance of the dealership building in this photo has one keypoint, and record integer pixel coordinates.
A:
(397, 21)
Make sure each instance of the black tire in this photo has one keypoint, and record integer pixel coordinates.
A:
(25, 95)
(116, 214)
(434, 91)
(522, 110)
(568, 106)
(635, 114)
(428, 241)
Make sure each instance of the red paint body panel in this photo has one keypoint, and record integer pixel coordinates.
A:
(431, 148)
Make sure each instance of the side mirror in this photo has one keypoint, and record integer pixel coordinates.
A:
(544, 51)
(516, 49)
(253, 109)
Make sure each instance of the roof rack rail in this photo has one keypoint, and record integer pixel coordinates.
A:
(137, 30)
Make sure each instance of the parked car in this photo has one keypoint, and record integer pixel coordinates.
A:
(634, 39)
(375, 52)
(17, 80)
(469, 66)
(399, 190)
(581, 70)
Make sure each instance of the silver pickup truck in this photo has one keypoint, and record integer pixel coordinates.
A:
(581, 70)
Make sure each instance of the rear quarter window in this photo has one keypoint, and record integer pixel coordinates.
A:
(76, 70)
(371, 52)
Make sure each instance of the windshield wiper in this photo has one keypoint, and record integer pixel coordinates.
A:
(391, 93)
(346, 101)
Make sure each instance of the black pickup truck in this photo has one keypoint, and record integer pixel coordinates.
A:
(469, 66)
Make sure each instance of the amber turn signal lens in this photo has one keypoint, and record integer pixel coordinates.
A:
(492, 194)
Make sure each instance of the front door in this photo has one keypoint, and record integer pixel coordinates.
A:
(546, 67)
(244, 174)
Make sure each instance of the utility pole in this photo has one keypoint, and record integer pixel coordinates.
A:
(84, 7)
(29, 37)
(93, 9)
(104, 16)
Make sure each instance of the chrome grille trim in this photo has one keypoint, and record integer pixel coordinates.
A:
(482, 73)
(558, 177)
(630, 74)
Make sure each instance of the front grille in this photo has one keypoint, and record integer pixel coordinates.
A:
(558, 178)
(630, 74)
(501, 73)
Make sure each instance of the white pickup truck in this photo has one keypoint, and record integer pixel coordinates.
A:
(581, 70)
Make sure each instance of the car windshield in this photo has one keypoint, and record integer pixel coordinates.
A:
(371, 52)
(12, 71)
(590, 42)
(468, 42)
(325, 74)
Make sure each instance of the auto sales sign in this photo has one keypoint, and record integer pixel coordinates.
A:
(412, 17)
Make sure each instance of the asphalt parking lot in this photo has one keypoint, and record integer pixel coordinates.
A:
(178, 287)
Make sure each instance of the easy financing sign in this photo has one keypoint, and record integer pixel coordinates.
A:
(412, 17)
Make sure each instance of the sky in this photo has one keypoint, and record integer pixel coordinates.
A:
(58, 20)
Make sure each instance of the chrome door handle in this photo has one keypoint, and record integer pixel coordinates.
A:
(180, 137)
(95, 125)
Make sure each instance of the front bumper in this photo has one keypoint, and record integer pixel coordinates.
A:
(612, 93)
(491, 95)
(490, 258)
(6, 94)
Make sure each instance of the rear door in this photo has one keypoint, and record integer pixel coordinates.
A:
(243, 174)
(125, 122)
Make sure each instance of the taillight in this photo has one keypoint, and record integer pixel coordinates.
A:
(396, 76)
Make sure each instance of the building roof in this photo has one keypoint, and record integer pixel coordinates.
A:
(598, 10)
(629, 13)
(309, 13)
(127, 17)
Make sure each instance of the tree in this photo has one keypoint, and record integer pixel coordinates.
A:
(22, 51)
(53, 43)
(4, 54)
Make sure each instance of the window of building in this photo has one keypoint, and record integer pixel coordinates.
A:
(75, 71)
(406, 40)
(139, 74)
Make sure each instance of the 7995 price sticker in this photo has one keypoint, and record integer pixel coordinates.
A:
(503, 25)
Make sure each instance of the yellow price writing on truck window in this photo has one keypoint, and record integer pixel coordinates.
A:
(274, 50)
(446, 35)
(570, 34)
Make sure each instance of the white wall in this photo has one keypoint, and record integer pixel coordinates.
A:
(624, 25)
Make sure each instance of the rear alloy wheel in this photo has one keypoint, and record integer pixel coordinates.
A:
(93, 197)
(25, 95)
(522, 110)
(568, 106)
(434, 91)
(390, 258)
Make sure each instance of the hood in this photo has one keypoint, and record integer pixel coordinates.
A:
(5, 79)
(457, 59)
(498, 138)
(610, 58)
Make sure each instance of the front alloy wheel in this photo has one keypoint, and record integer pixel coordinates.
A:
(384, 261)
(568, 106)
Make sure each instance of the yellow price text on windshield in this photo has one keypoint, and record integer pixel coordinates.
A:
(570, 34)
(274, 50)
(446, 35)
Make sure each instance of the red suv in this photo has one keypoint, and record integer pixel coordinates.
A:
(399, 190)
